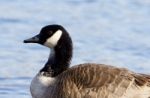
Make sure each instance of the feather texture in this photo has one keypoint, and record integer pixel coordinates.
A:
(100, 81)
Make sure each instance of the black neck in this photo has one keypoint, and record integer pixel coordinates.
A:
(59, 59)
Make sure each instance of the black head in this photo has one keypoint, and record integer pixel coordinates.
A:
(49, 36)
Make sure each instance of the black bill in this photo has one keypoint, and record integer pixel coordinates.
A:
(34, 39)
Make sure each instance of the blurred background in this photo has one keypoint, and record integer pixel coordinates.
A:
(114, 32)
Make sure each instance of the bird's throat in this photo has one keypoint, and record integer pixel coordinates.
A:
(59, 61)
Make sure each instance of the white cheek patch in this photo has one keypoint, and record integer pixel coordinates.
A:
(53, 40)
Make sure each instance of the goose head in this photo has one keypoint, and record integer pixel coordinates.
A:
(51, 36)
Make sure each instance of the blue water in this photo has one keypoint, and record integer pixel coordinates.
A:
(114, 32)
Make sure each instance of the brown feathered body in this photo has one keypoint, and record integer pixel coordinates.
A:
(99, 81)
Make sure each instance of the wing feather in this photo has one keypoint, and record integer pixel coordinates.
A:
(100, 81)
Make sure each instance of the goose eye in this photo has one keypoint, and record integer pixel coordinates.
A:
(50, 32)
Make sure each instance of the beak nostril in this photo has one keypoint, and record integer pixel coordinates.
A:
(34, 38)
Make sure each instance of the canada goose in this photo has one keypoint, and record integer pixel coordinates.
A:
(57, 80)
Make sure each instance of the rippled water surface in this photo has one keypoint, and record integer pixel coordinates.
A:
(115, 32)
